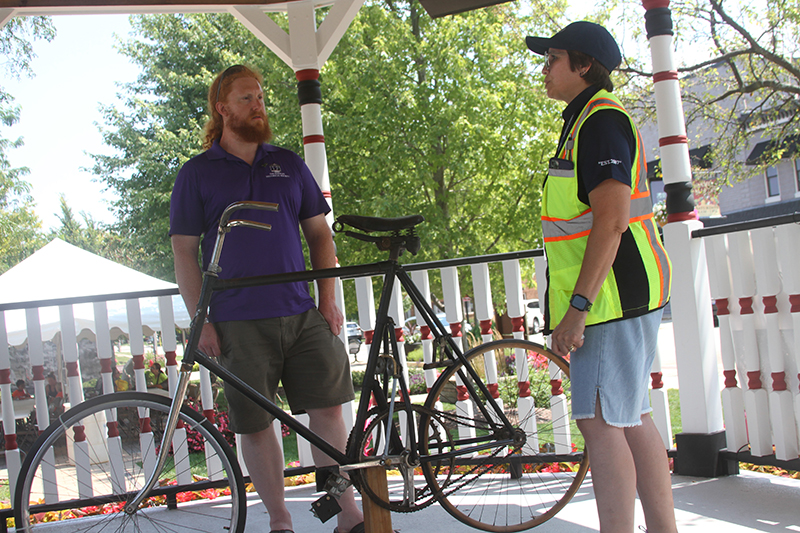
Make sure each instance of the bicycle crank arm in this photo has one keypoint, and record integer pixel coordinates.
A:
(169, 431)
(389, 460)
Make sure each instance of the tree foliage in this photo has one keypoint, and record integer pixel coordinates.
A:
(20, 228)
(740, 77)
(439, 117)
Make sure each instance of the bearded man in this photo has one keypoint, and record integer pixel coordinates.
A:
(269, 333)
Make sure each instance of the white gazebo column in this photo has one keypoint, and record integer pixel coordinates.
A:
(722, 290)
(768, 281)
(788, 236)
(451, 293)
(703, 433)
(482, 289)
(13, 457)
(422, 281)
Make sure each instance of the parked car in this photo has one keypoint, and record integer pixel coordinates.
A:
(355, 337)
(411, 328)
(534, 320)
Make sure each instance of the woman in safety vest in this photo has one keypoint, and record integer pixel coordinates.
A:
(608, 276)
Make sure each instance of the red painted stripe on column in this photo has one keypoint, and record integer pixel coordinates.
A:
(722, 306)
(754, 380)
(38, 372)
(654, 4)
(486, 327)
(555, 387)
(665, 76)
(461, 393)
(5, 376)
(794, 299)
(398, 334)
(425, 332)
(518, 324)
(368, 336)
(327, 194)
(655, 378)
(310, 139)
(172, 358)
(138, 362)
(80, 433)
(455, 329)
(730, 379)
(144, 425)
(307, 74)
(493, 390)
(673, 139)
(779, 381)
(746, 305)
(106, 365)
(113, 429)
(524, 389)
(11, 441)
(209, 414)
(680, 217)
(72, 369)
(770, 304)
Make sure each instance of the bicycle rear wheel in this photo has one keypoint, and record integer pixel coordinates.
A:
(510, 488)
(96, 457)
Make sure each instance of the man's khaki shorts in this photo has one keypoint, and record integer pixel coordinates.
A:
(300, 351)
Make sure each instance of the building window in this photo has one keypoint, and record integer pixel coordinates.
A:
(797, 172)
(773, 190)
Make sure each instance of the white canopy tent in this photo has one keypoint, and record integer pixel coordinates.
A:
(60, 273)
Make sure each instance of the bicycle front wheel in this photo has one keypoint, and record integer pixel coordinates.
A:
(523, 483)
(96, 457)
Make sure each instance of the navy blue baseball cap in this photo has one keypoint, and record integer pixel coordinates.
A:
(587, 37)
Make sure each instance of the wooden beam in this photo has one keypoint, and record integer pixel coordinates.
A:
(440, 8)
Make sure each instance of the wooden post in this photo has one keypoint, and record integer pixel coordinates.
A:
(376, 518)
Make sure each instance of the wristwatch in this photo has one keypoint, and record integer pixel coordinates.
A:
(581, 303)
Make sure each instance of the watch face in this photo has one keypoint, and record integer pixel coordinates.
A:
(579, 302)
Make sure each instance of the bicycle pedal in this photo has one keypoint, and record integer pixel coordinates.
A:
(437, 364)
(330, 481)
(325, 508)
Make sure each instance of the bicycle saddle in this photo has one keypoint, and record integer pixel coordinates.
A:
(370, 224)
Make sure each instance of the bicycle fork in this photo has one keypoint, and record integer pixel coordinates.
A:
(172, 422)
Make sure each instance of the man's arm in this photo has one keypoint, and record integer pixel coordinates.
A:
(190, 280)
(323, 255)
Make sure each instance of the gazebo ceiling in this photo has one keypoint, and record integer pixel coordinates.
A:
(435, 8)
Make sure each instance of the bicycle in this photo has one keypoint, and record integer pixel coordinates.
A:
(485, 470)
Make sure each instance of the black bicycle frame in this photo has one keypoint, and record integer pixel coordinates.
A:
(391, 270)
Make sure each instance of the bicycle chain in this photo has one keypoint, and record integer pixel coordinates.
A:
(426, 490)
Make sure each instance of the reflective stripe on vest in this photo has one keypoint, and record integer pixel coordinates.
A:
(567, 222)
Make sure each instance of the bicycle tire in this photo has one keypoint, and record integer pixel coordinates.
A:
(87, 497)
(482, 493)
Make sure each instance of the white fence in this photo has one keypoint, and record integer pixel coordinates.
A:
(754, 279)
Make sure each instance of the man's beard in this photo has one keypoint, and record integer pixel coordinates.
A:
(250, 132)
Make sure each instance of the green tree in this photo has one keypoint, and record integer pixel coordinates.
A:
(20, 228)
(740, 77)
(439, 117)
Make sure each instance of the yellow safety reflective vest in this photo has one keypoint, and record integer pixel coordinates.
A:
(639, 280)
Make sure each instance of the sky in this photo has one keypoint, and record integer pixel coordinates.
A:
(73, 75)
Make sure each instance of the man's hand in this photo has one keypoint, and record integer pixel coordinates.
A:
(209, 341)
(332, 314)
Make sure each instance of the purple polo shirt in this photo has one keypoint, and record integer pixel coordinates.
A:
(210, 182)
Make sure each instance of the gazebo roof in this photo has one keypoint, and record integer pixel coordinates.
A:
(435, 8)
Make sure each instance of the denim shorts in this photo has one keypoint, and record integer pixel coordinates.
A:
(300, 351)
(614, 363)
